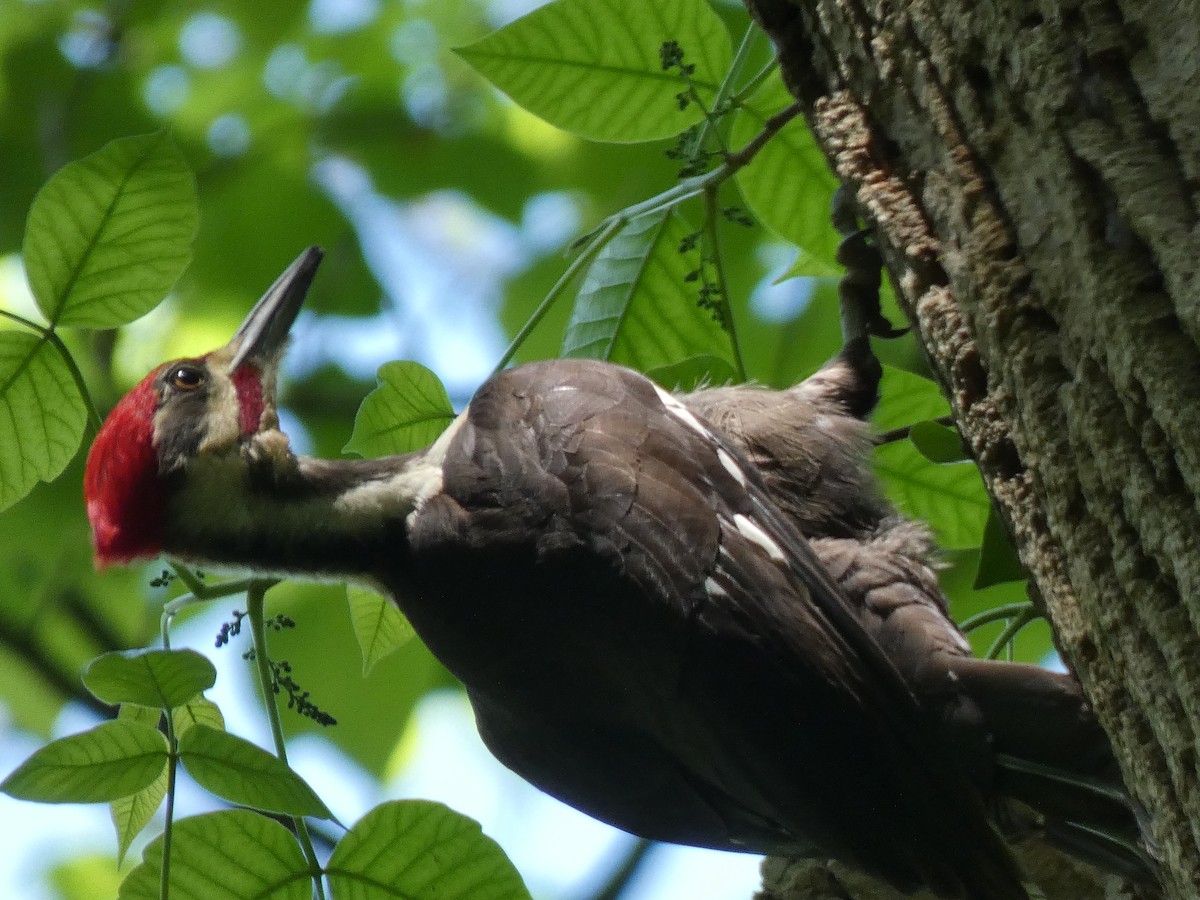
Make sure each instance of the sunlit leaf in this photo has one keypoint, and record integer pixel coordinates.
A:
(998, 559)
(112, 760)
(806, 265)
(593, 67)
(133, 813)
(109, 234)
(937, 443)
(42, 414)
(82, 876)
(233, 855)
(156, 678)
(636, 307)
(197, 711)
(421, 850)
(906, 399)
(788, 185)
(244, 773)
(693, 373)
(146, 715)
(379, 626)
(950, 497)
(408, 410)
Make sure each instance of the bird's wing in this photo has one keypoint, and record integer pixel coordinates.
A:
(776, 697)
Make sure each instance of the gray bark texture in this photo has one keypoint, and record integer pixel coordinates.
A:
(1032, 174)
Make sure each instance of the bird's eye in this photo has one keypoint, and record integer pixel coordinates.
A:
(187, 378)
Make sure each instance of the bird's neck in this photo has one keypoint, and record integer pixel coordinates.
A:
(313, 518)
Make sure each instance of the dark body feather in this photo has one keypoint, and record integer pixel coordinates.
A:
(629, 649)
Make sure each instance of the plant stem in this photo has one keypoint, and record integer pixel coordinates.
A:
(711, 212)
(1008, 611)
(199, 592)
(164, 887)
(596, 242)
(1006, 636)
(51, 337)
(724, 89)
(751, 86)
(255, 609)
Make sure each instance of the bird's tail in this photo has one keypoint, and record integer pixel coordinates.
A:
(1051, 755)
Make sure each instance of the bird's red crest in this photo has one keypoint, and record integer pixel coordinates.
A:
(125, 500)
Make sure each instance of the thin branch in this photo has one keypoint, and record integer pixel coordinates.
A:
(626, 871)
(255, 608)
(899, 434)
(711, 214)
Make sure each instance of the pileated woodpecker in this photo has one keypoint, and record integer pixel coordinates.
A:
(692, 617)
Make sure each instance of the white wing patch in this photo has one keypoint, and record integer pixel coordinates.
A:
(713, 588)
(756, 535)
(682, 413)
(731, 466)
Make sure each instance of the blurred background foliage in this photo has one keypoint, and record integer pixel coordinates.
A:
(446, 212)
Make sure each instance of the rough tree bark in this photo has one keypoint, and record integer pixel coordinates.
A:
(1031, 170)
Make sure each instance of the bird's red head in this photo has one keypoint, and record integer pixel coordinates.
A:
(211, 407)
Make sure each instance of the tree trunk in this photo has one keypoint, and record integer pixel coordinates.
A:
(1031, 171)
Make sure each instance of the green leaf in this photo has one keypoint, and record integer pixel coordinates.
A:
(379, 626)
(806, 265)
(233, 855)
(693, 373)
(421, 850)
(593, 67)
(635, 307)
(788, 185)
(133, 813)
(937, 443)
(408, 410)
(950, 497)
(157, 678)
(906, 399)
(42, 414)
(109, 234)
(243, 773)
(998, 559)
(146, 715)
(197, 711)
(112, 760)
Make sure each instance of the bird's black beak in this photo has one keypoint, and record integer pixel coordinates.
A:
(263, 334)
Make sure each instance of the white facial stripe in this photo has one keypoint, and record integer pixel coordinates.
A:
(731, 466)
(682, 412)
(756, 535)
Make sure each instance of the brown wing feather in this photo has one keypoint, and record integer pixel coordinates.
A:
(759, 715)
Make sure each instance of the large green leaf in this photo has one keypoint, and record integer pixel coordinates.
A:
(244, 773)
(407, 411)
(937, 443)
(133, 813)
(636, 306)
(593, 66)
(421, 850)
(109, 234)
(42, 414)
(998, 559)
(950, 496)
(112, 760)
(197, 711)
(788, 185)
(379, 626)
(155, 678)
(906, 399)
(234, 855)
